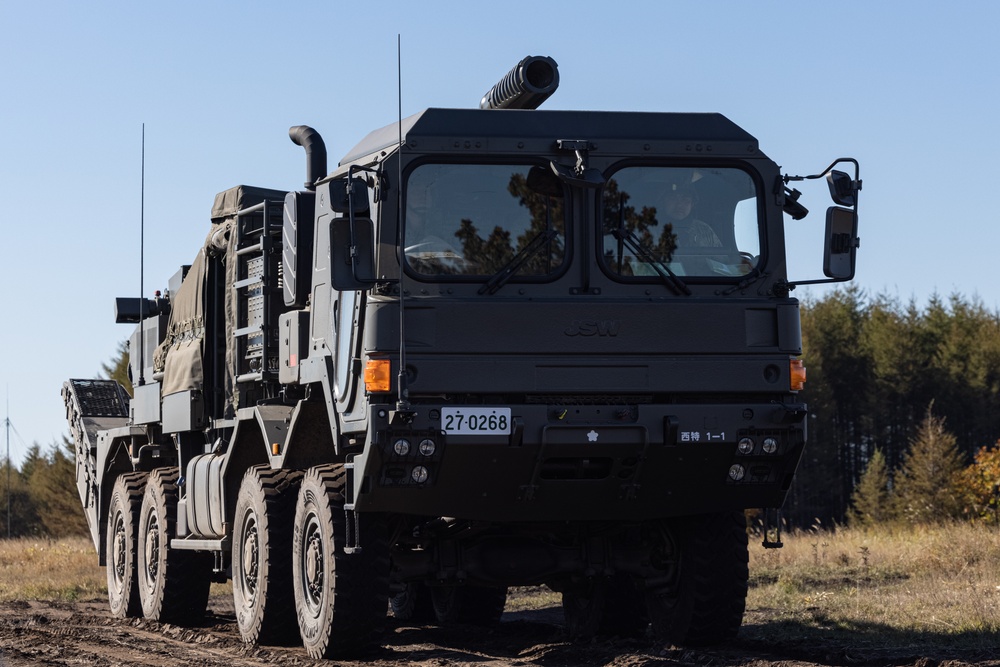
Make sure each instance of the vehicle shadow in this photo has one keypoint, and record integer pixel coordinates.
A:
(536, 637)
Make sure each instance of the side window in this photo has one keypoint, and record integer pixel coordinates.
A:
(694, 221)
(474, 219)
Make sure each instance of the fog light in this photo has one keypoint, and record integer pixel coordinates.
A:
(427, 447)
(401, 447)
(745, 445)
(770, 445)
(736, 472)
(419, 474)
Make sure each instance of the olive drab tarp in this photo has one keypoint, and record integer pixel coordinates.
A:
(181, 355)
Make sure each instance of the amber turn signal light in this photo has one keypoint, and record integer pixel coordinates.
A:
(377, 375)
(796, 374)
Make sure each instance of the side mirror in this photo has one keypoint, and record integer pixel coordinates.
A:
(842, 189)
(842, 243)
(348, 192)
(352, 255)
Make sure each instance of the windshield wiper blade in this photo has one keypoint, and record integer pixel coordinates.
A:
(670, 278)
(507, 271)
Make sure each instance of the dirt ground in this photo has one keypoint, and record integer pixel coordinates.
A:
(83, 633)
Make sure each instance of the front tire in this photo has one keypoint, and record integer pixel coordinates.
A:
(341, 598)
(700, 594)
(262, 556)
(122, 539)
(173, 584)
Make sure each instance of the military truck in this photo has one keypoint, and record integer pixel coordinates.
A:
(492, 347)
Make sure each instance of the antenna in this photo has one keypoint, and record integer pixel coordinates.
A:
(403, 395)
(9, 464)
(142, 258)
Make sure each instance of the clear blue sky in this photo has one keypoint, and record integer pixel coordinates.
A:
(910, 89)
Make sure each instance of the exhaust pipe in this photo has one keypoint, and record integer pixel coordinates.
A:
(531, 82)
(309, 139)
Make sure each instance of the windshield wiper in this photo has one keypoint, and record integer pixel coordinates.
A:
(670, 278)
(507, 271)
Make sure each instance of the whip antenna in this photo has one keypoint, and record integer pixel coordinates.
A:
(142, 257)
(402, 399)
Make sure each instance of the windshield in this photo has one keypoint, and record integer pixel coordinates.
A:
(683, 221)
(474, 219)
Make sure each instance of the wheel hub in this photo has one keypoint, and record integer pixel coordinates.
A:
(251, 553)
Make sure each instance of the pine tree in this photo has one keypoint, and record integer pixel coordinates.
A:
(926, 487)
(117, 368)
(23, 518)
(870, 502)
(54, 494)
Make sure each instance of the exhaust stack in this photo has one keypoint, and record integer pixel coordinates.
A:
(309, 139)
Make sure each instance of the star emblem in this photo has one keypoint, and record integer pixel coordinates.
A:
(592, 436)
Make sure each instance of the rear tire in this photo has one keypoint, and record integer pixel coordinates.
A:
(468, 605)
(121, 545)
(413, 604)
(341, 598)
(262, 556)
(609, 606)
(173, 584)
(583, 607)
(700, 596)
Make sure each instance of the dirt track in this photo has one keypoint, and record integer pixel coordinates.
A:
(83, 633)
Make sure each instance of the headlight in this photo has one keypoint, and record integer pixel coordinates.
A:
(427, 447)
(419, 474)
(736, 472)
(401, 447)
(770, 445)
(745, 445)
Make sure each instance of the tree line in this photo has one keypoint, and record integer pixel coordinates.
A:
(42, 495)
(903, 409)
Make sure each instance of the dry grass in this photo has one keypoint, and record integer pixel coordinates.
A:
(879, 587)
(43, 569)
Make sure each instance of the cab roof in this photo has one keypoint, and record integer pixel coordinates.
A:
(536, 131)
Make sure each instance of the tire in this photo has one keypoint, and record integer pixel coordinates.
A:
(468, 605)
(262, 556)
(121, 545)
(583, 608)
(173, 584)
(699, 596)
(606, 606)
(413, 604)
(341, 598)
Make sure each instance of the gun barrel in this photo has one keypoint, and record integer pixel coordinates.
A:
(526, 86)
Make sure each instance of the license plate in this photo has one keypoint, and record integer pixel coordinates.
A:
(475, 421)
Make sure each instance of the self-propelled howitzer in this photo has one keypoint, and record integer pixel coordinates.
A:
(492, 347)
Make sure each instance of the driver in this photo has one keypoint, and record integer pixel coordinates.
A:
(690, 231)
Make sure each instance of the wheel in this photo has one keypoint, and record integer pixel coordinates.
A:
(607, 606)
(173, 584)
(468, 605)
(121, 545)
(583, 607)
(413, 604)
(624, 608)
(340, 598)
(699, 594)
(262, 556)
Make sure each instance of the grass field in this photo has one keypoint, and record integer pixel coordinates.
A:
(891, 586)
